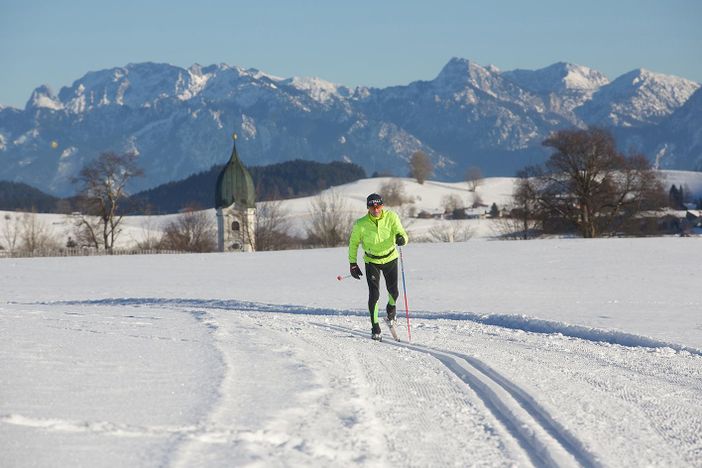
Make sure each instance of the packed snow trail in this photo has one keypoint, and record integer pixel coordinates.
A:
(545, 442)
(331, 405)
(174, 383)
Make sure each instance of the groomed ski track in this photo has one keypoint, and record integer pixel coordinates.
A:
(293, 386)
(544, 441)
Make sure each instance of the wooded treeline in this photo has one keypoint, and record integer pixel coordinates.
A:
(285, 180)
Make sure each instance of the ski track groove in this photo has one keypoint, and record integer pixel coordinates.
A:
(676, 427)
(618, 377)
(433, 400)
(394, 391)
(556, 430)
(554, 447)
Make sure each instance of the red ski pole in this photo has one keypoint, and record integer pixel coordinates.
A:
(404, 292)
(342, 277)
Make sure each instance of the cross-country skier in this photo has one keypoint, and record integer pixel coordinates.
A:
(377, 232)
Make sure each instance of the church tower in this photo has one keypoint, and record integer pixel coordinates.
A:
(235, 201)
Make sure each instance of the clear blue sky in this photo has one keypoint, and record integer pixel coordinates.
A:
(354, 42)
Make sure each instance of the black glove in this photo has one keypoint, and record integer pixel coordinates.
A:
(399, 240)
(355, 271)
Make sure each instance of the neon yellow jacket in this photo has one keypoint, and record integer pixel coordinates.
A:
(377, 237)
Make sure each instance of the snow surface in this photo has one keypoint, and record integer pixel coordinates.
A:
(638, 96)
(556, 352)
(317, 88)
(559, 76)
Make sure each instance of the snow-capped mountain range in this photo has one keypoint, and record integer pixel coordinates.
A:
(180, 120)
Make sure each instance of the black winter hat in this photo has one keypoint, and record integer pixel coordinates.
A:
(374, 200)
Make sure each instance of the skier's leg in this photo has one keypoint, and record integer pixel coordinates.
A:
(373, 280)
(390, 274)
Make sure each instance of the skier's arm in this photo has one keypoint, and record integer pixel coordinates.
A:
(400, 232)
(354, 240)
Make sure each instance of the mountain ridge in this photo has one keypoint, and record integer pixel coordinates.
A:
(178, 120)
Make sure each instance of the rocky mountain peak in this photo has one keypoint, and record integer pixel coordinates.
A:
(179, 119)
(134, 85)
(320, 90)
(671, 88)
(462, 71)
(636, 98)
(43, 98)
(559, 77)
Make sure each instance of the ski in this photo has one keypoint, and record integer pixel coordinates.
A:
(392, 325)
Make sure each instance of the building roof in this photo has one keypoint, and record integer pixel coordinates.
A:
(234, 184)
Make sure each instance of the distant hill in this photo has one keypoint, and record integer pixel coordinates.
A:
(289, 179)
(23, 197)
(298, 178)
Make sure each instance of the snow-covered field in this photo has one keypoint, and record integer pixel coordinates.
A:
(551, 352)
(558, 352)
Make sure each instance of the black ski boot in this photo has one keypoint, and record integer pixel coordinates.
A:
(375, 332)
(392, 310)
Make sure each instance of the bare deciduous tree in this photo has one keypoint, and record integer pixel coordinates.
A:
(509, 228)
(11, 231)
(451, 202)
(102, 186)
(191, 231)
(448, 231)
(272, 226)
(35, 235)
(420, 166)
(151, 236)
(86, 230)
(331, 220)
(393, 192)
(521, 222)
(474, 178)
(589, 185)
(477, 200)
(524, 218)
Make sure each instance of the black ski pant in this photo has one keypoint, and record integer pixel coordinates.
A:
(373, 278)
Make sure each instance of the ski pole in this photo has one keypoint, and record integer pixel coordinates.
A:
(342, 277)
(404, 292)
